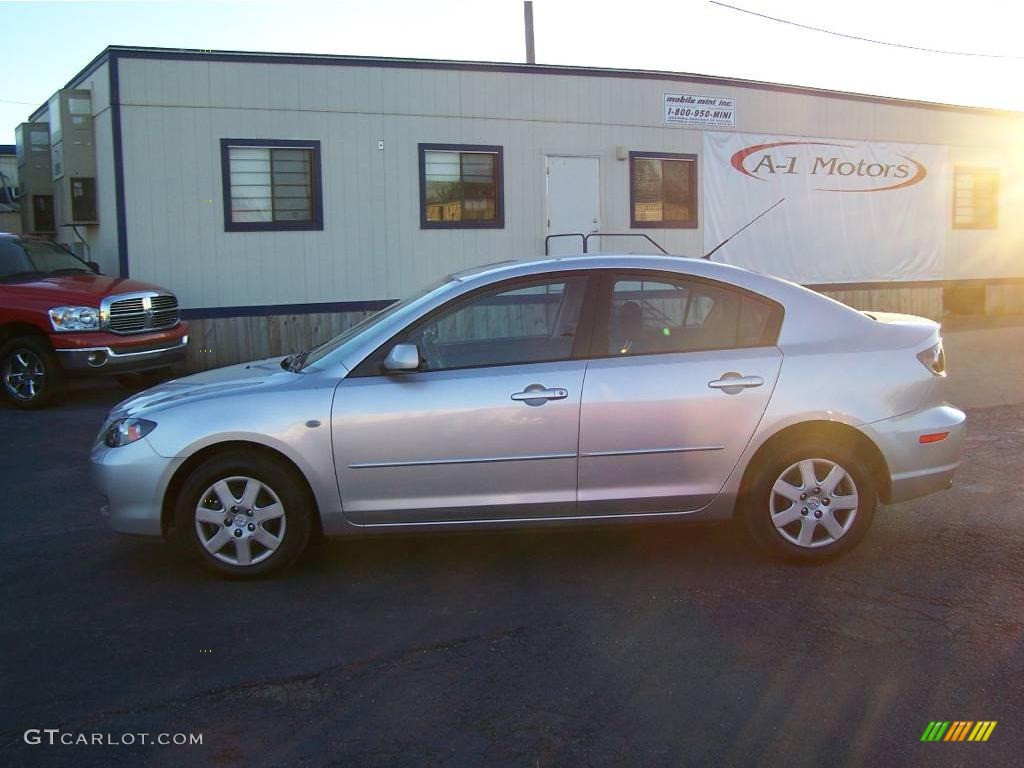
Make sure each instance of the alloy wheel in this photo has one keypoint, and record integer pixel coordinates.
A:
(24, 374)
(814, 503)
(240, 521)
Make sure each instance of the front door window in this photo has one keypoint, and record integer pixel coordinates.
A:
(534, 323)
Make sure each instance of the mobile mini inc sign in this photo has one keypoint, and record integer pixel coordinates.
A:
(697, 109)
(854, 211)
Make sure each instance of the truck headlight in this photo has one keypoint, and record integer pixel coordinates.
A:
(75, 318)
(125, 431)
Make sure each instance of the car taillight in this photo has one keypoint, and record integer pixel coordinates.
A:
(934, 358)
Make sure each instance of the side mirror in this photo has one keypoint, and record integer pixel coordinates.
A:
(402, 357)
(93, 266)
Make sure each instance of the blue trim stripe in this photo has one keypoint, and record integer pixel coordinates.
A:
(115, 122)
(8, 149)
(267, 310)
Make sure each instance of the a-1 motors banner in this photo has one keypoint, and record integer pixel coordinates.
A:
(854, 211)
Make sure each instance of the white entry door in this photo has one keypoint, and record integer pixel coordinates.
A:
(573, 203)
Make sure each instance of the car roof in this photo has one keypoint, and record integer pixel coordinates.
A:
(727, 273)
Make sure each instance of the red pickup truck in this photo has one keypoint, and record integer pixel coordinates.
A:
(59, 317)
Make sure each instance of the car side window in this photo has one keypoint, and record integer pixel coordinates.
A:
(658, 315)
(536, 322)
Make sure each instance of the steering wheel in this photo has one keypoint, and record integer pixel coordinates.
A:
(430, 351)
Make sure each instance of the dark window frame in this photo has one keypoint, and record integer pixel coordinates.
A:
(499, 186)
(372, 364)
(693, 223)
(314, 224)
(604, 291)
(977, 170)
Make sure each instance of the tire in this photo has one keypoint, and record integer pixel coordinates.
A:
(143, 379)
(30, 375)
(203, 510)
(818, 526)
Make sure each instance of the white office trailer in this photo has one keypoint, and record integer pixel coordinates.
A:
(282, 197)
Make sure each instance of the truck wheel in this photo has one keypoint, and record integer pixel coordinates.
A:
(29, 372)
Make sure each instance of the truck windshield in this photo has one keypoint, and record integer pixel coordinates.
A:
(34, 257)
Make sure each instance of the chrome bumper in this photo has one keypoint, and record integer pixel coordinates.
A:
(103, 360)
(917, 469)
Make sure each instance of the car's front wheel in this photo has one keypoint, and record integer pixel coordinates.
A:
(30, 374)
(811, 502)
(244, 514)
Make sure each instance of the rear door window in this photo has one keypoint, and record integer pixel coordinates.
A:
(652, 315)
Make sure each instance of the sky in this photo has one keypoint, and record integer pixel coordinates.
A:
(46, 43)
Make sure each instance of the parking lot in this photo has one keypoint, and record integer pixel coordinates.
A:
(646, 646)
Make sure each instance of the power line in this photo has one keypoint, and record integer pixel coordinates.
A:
(863, 39)
(25, 103)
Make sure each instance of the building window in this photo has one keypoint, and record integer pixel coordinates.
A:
(975, 198)
(271, 185)
(461, 187)
(662, 190)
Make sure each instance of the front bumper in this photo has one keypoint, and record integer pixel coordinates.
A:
(101, 360)
(918, 469)
(133, 478)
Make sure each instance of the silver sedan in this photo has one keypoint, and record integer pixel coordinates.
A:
(558, 391)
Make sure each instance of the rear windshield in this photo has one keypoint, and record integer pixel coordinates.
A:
(35, 257)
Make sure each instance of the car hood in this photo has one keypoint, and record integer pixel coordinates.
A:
(230, 381)
(84, 289)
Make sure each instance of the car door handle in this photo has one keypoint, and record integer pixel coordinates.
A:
(731, 383)
(539, 393)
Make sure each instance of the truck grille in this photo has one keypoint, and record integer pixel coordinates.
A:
(139, 313)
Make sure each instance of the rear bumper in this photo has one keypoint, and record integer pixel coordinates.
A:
(918, 469)
(142, 355)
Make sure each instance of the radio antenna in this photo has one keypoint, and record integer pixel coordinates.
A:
(765, 212)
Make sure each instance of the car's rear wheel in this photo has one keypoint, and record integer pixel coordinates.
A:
(30, 374)
(811, 501)
(244, 514)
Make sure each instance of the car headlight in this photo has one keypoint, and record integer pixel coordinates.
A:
(75, 318)
(125, 431)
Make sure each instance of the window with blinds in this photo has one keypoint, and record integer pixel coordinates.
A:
(271, 186)
(460, 187)
(662, 190)
(975, 198)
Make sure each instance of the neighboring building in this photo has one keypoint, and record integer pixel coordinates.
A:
(10, 219)
(284, 196)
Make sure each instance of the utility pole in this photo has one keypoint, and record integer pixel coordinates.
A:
(531, 57)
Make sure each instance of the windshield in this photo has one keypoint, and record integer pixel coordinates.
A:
(319, 353)
(32, 257)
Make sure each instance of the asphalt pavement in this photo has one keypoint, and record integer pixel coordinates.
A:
(653, 645)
